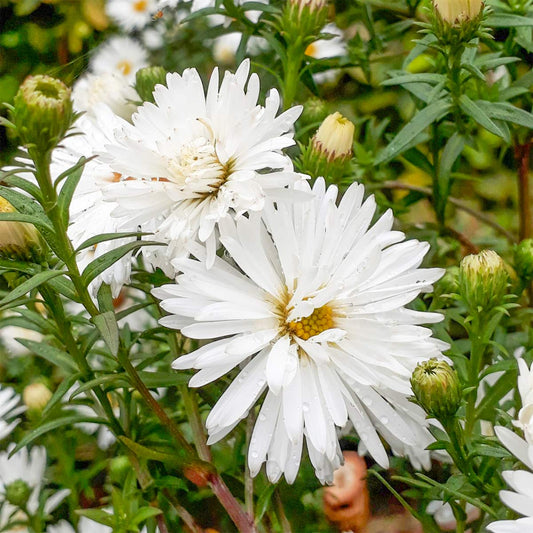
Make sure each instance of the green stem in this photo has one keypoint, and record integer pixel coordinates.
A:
(295, 54)
(474, 368)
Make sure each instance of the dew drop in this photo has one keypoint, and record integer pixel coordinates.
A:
(262, 417)
(384, 420)
(255, 455)
(305, 407)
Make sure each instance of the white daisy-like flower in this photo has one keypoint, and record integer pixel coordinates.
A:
(131, 14)
(10, 334)
(225, 47)
(90, 213)
(525, 388)
(28, 467)
(9, 408)
(122, 56)
(108, 88)
(520, 499)
(316, 299)
(325, 48)
(193, 158)
(252, 15)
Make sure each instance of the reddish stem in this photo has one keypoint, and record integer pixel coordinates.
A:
(522, 156)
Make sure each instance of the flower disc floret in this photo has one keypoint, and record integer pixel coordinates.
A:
(321, 319)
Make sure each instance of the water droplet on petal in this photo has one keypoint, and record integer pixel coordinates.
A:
(262, 417)
(305, 407)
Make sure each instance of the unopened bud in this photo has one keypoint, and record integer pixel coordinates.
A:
(35, 396)
(455, 12)
(146, 79)
(315, 110)
(42, 112)
(482, 281)
(303, 19)
(523, 260)
(18, 493)
(334, 137)
(436, 388)
(18, 240)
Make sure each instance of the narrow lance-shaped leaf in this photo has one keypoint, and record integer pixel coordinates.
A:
(30, 284)
(418, 124)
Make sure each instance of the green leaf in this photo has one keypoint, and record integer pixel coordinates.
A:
(508, 112)
(500, 366)
(504, 20)
(263, 502)
(476, 112)
(425, 77)
(494, 394)
(164, 379)
(120, 380)
(108, 237)
(143, 514)
(149, 453)
(68, 188)
(484, 450)
(63, 421)
(418, 124)
(30, 284)
(52, 354)
(107, 325)
(97, 515)
(56, 398)
(25, 185)
(451, 152)
(98, 265)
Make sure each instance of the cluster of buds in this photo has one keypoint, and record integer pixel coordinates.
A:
(302, 20)
(18, 240)
(146, 79)
(330, 150)
(457, 20)
(436, 388)
(42, 112)
(483, 281)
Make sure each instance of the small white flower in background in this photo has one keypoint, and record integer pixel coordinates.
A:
(443, 514)
(131, 14)
(10, 334)
(9, 408)
(325, 48)
(28, 467)
(122, 56)
(225, 47)
(193, 158)
(520, 499)
(107, 88)
(318, 304)
(85, 525)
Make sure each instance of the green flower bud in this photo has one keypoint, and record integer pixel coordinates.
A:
(18, 240)
(482, 281)
(315, 110)
(146, 79)
(523, 260)
(119, 468)
(303, 19)
(42, 112)
(457, 21)
(436, 388)
(18, 493)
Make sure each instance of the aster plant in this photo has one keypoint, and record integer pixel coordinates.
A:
(213, 282)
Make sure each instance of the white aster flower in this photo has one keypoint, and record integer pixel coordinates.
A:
(9, 408)
(225, 47)
(108, 88)
(90, 214)
(131, 14)
(193, 158)
(10, 334)
(520, 499)
(443, 514)
(28, 467)
(122, 56)
(318, 305)
(325, 48)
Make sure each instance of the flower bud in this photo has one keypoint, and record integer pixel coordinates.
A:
(436, 388)
(334, 138)
(303, 19)
(42, 112)
(315, 110)
(146, 79)
(455, 12)
(482, 281)
(18, 493)
(35, 396)
(18, 240)
(523, 260)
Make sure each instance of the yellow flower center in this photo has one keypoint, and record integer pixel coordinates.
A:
(311, 50)
(320, 320)
(140, 5)
(124, 67)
